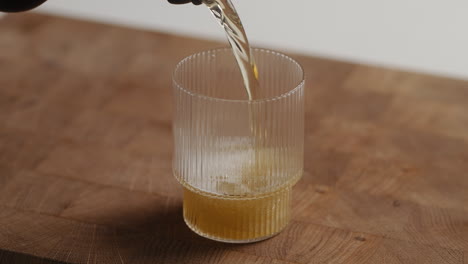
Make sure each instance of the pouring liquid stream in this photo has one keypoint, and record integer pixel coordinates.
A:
(227, 16)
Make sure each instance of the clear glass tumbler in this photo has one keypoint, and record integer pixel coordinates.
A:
(236, 158)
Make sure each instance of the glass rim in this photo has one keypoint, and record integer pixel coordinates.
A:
(248, 101)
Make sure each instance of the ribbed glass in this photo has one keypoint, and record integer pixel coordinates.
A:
(237, 159)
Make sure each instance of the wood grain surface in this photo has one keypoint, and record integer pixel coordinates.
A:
(85, 156)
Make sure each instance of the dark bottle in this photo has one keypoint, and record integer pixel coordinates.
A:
(177, 2)
(24, 5)
(19, 5)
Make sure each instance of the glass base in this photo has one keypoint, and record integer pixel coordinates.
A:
(239, 220)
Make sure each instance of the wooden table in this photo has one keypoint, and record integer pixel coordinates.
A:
(85, 156)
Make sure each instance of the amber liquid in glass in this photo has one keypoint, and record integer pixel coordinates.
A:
(241, 209)
(237, 219)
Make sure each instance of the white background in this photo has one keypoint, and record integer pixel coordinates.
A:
(420, 35)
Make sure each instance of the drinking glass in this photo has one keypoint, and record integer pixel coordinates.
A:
(237, 159)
